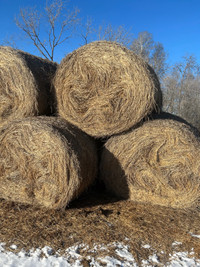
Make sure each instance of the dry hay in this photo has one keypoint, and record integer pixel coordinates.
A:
(25, 82)
(104, 88)
(44, 161)
(156, 163)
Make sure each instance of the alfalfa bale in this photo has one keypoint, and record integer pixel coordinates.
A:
(45, 161)
(25, 85)
(103, 88)
(156, 163)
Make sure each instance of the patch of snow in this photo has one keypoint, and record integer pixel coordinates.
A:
(13, 247)
(33, 258)
(96, 247)
(179, 259)
(152, 260)
(197, 236)
(146, 246)
(126, 255)
(46, 257)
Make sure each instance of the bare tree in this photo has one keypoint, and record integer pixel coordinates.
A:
(109, 33)
(105, 32)
(170, 89)
(158, 60)
(152, 52)
(181, 88)
(9, 41)
(87, 30)
(143, 45)
(60, 26)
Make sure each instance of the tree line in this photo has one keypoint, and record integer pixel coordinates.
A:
(57, 23)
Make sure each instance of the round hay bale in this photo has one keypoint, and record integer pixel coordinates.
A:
(103, 88)
(25, 82)
(156, 163)
(44, 161)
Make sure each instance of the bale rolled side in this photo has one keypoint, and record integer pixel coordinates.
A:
(25, 85)
(44, 161)
(103, 88)
(156, 163)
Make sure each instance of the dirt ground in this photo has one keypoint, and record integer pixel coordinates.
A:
(97, 218)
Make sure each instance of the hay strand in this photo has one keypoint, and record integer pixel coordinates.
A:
(156, 163)
(45, 161)
(104, 89)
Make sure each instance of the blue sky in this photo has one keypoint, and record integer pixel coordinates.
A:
(174, 23)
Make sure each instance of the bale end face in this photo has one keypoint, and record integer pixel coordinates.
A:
(104, 89)
(45, 162)
(156, 163)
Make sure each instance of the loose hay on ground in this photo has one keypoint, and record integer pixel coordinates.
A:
(44, 161)
(25, 82)
(156, 163)
(104, 88)
(99, 220)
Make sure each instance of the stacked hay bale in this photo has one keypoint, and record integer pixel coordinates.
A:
(44, 161)
(157, 163)
(107, 91)
(25, 85)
